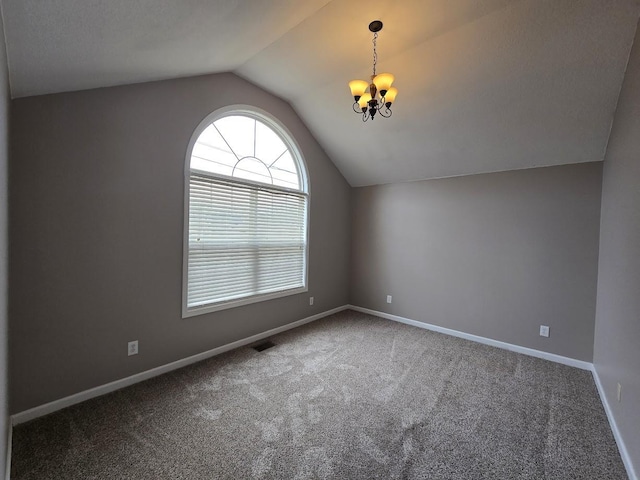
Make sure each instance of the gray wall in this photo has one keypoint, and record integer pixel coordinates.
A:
(617, 340)
(97, 191)
(495, 255)
(4, 134)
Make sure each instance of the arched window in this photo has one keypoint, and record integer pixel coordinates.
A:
(246, 202)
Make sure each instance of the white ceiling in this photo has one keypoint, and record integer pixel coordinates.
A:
(484, 85)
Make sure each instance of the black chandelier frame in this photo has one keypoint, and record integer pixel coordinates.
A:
(373, 106)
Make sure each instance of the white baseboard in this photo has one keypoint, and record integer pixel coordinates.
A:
(626, 458)
(7, 474)
(56, 405)
(476, 338)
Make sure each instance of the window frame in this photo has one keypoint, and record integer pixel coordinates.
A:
(287, 138)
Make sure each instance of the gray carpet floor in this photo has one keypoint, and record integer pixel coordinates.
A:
(350, 396)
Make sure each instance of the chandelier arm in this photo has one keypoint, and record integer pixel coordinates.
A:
(385, 112)
(356, 107)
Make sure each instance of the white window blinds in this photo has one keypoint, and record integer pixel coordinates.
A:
(244, 240)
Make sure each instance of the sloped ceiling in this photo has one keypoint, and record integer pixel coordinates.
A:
(485, 85)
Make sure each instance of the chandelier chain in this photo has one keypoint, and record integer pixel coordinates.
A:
(375, 53)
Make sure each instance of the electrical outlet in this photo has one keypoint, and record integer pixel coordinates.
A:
(544, 331)
(310, 300)
(619, 392)
(388, 298)
(132, 348)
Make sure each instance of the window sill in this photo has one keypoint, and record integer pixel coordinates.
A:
(215, 307)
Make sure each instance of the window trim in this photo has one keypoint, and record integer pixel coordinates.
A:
(285, 135)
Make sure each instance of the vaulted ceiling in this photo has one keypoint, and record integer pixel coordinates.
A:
(484, 85)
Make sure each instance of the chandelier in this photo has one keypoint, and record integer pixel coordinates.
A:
(381, 94)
